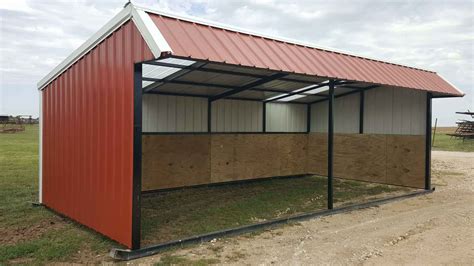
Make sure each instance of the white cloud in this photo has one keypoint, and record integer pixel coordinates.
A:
(16, 5)
(437, 36)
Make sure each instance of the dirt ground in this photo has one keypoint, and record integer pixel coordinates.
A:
(433, 229)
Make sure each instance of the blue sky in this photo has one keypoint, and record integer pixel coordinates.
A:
(35, 36)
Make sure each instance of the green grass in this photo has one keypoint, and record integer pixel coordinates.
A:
(34, 234)
(443, 142)
(186, 212)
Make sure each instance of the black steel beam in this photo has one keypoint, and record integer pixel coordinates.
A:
(301, 91)
(248, 86)
(178, 94)
(190, 83)
(330, 144)
(264, 117)
(348, 93)
(149, 88)
(217, 133)
(137, 156)
(308, 118)
(124, 254)
(361, 111)
(428, 141)
(226, 72)
(173, 76)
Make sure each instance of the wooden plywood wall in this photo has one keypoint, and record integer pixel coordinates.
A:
(238, 157)
(174, 161)
(389, 159)
(185, 160)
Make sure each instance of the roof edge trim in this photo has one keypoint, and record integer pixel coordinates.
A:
(150, 33)
(194, 19)
(452, 85)
(111, 26)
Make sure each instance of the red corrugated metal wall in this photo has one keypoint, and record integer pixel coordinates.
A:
(88, 136)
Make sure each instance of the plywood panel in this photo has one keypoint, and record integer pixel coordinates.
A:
(185, 160)
(238, 156)
(223, 158)
(317, 154)
(175, 161)
(256, 155)
(292, 153)
(406, 160)
(360, 157)
(390, 159)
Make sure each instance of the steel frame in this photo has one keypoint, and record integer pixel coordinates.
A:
(136, 201)
(429, 97)
(221, 133)
(330, 144)
(220, 71)
(137, 155)
(361, 111)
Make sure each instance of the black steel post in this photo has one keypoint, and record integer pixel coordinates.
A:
(330, 144)
(361, 112)
(264, 117)
(137, 156)
(209, 115)
(428, 142)
(308, 118)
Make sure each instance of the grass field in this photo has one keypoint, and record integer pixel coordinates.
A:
(186, 212)
(443, 142)
(36, 235)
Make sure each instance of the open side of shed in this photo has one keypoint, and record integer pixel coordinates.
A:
(156, 101)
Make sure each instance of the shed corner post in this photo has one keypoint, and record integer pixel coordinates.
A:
(330, 144)
(40, 159)
(361, 111)
(264, 116)
(429, 97)
(209, 116)
(308, 118)
(137, 155)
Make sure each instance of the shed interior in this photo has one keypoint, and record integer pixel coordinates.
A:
(209, 123)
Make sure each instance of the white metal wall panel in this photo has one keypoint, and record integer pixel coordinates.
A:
(395, 111)
(346, 115)
(236, 116)
(286, 117)
(386, 111)
(162, 113)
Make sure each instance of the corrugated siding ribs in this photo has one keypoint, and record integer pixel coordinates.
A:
(88, 136)
(199, 41)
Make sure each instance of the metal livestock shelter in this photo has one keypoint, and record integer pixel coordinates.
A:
(155, 101)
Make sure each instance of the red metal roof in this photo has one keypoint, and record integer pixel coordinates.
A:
(205, 42)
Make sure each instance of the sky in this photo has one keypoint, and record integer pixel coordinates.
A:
(35, 36)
